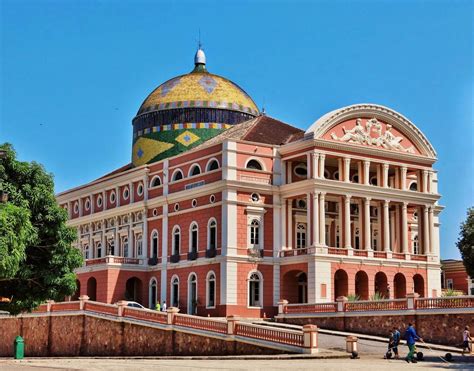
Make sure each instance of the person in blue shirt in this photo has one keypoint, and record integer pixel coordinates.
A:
(396, 341)
(411, 337)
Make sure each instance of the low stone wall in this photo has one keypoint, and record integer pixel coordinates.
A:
(85, 335)
(436, 327)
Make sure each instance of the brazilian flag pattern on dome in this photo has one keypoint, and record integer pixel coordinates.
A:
(170, 140)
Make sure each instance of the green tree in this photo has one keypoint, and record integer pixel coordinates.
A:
(466, 242)
(37, 259)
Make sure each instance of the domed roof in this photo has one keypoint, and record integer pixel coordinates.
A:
(199, 88)
(186, 111)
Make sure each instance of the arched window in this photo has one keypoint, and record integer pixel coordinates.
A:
(255, 233)
(212, 233)
(155, 182)
(254, 290)
(194, 170)
(414, 186)
(192, 294)
(335, 176)
(153, 294)
(300, 236)
(175, 292)
(326, 174)
(211, 290)
(193, 237)
(86, 252)
(254, 165)
(177, 175)
(154, 244)
(176, 240)
(416, 245)
(99, 250)
(373, 180)
(125, 247)
(355, 178)
(213, 164)
(139, 245)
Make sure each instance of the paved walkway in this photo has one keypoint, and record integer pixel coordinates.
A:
(365, 364)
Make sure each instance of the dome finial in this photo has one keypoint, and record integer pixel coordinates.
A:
(200, 58)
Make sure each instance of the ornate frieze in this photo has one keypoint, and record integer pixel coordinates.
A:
(372, 135)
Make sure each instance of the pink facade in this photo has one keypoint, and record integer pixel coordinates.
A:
(264, 212)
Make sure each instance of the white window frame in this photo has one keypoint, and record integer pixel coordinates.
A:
(99, 201)
(150, 287)
(173, 241)
(416, 241)
(153, 180)
(173, 278)
(126, 193)
(112, 194)
(76, 207)
(192, 167)
(298, 231)
(209, 233)
(176, 171)
(262, 165)
(124, 242)
(154, 233)
(209, 162)
(140, 189)
(208, 280)
(256, 213)
(189, 292)
(260, 289)
(86, 252)
(139, 244)
(97, 247)
(193, 224)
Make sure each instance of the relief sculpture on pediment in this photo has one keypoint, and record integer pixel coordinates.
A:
(372, 134)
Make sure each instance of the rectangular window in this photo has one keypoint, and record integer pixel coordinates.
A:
(154, 247)
(176, 243)
(139, 247)
(212, 239)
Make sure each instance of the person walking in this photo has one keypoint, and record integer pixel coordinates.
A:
(163, 307)
(466, 339)
(396, 341)
(158, 306)
(411, 337)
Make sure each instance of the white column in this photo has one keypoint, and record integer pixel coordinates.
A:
(340, 169)
(366, 172)
(367, 239)
(91, 200)
(425, 181)
(404, 178)
(385, 175)
(315, 165)
(117, 198)
(315, 219)
(308, 167)
(386, 226)
(290, 223)
(431, 228)
(164, 252)
(426, 230)
(308, 219)
(347, 222)
(283, 223)
(322, 165)
(347, 169)
(322, 219)
(229, 228)
(80, 206)
(430, 182)
(404, 228)
(339, 216)
(379, 175)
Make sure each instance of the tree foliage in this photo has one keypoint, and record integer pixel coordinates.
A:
(466, 242)
(37, 259)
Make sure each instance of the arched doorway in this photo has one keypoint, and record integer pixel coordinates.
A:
(362, 285)
(153, 294)
(294, 287)
(399, 286)
(419, 284)
(133, 289)
(381, 285)
(192, 294)
(341, 283)
(92, 289)
(77, 293)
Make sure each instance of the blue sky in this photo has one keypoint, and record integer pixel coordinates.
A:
(73, 73)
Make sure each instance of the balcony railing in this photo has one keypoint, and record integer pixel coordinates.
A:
(110, 259)
(211, 253)
(174, 258)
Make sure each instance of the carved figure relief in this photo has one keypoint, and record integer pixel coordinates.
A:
(372, 135)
